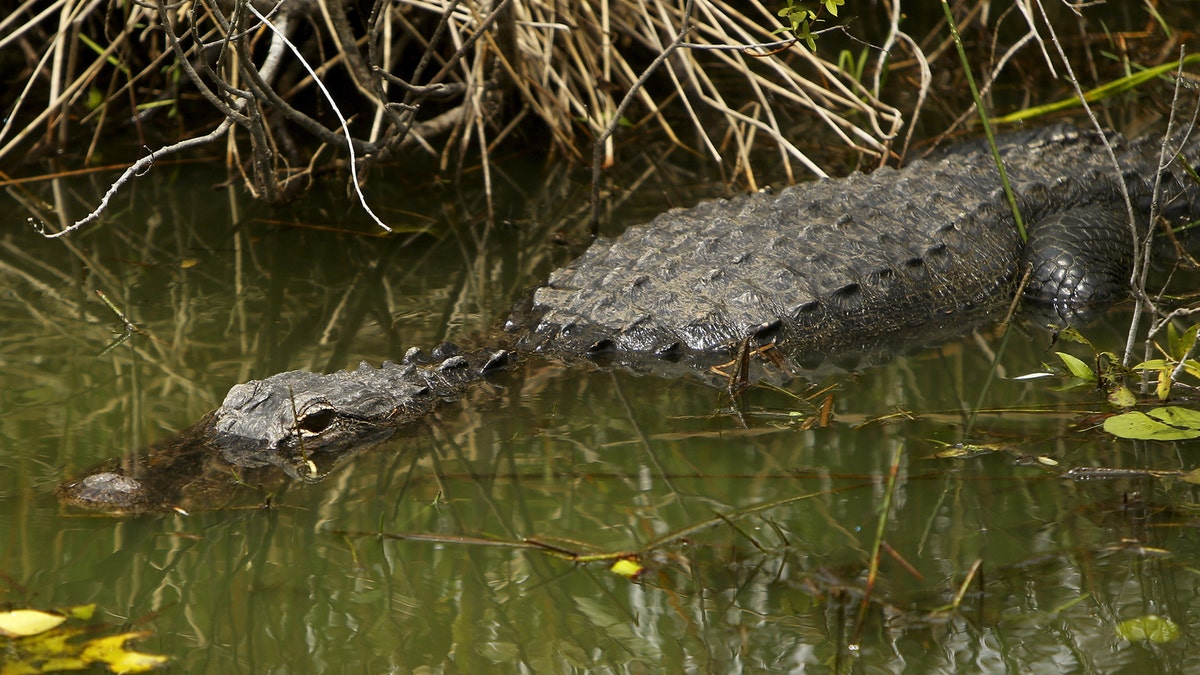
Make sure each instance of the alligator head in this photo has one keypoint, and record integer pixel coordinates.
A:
(293, 418)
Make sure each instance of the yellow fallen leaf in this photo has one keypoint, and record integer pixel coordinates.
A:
(26, 622)
(60, 649)
(81, 612)
(626, 568)
(112, 652)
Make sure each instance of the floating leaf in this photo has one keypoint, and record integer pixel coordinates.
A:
(81, 612)
(112, 652)
(1149, 628)
(961, 450)
(26, 622)
(1170, 423)
(60, 648)
(1120, 397)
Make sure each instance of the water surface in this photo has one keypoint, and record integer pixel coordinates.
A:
(755, 528)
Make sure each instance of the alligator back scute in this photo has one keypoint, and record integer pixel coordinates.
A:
(850, 265)
(809, 257)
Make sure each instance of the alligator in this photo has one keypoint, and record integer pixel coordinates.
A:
(779, 284)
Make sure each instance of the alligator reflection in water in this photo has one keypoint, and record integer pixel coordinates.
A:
(838, 271)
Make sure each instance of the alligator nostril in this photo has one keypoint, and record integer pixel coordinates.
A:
(316, 422)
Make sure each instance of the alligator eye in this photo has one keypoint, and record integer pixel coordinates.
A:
(315, 422)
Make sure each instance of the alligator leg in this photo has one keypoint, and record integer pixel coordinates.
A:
(1081, 261)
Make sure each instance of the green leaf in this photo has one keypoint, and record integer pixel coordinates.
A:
(1149, 628)
(1170, 423)
(1163, 389)
(112, 60)
(95, 99)
(1077, 367)
(1121, 397)
(1181, 344)
(1192, 367)
(1104, 91)
(1069, 334)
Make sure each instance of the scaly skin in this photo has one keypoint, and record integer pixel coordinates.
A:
(832, 271)
(856, 263)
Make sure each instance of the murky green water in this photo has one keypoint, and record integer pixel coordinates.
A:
(756, 540)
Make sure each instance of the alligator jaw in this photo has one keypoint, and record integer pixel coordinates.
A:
(292, 418)
(288, 417)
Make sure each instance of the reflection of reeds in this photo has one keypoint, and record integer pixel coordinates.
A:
(227, 298)
(447, 76)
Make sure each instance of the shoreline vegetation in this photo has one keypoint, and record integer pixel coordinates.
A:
(288, 93)
(292, 90)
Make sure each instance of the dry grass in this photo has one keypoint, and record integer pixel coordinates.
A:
(458, 79)
(455, 79)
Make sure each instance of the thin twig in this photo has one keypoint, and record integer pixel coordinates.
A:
(136, 169)
(598, 147)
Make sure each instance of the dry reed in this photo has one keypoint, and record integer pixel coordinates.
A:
(448, 77)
